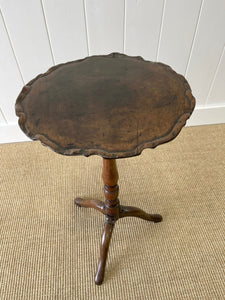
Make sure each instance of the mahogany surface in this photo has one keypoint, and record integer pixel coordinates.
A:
(110, 105)
(112, 211)
(113, 106)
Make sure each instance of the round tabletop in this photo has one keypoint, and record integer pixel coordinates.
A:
(110, 105)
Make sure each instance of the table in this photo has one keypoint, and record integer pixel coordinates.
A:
(109, 105)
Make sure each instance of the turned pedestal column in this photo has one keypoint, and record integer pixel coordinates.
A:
(111, 105)
(112, 211)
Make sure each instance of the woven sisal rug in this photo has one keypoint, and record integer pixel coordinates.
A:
(49, 248)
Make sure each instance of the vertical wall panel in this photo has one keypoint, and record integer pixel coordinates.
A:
(179, 24)
(105, 25)
(217, 94)
(2, 120)
(207, 48)
(10, 78)
(186, 34)
(66, 26)
(143, 22)
(26, 27)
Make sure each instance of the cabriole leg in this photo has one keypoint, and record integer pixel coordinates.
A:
(104, 247)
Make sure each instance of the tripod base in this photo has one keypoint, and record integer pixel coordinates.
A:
(124, 211)
(113, 211)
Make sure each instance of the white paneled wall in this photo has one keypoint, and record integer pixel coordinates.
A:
(105, 26)
(187, 35)
(143, 21)
(217, 90)
(178, 29)
(66, 26)
(28, 35)
(11, 79)
(207, 49)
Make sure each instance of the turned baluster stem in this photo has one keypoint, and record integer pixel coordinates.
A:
(111, 189)
(110, 178)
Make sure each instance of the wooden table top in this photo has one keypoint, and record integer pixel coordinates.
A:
(110, 105)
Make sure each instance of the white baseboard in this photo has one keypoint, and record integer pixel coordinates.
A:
(11, 133)
(207, 115)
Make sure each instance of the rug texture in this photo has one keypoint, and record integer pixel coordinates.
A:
(49, 248)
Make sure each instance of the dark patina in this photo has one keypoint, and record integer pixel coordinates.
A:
(114, 106)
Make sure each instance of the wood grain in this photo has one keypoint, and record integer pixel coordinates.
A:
(112, 211)
(114, 106)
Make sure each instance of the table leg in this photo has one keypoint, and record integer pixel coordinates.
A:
(111, 190)
(130, 211)
(91, 203)
(113, 211)
(106, 237)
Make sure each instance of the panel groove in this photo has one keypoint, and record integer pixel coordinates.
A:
(66, 26)
(187, 35)
(124, 26)
(194, 37)
(161, 28)
(143, 20)
(47, 31)
(214, 77)
(11, 45)
(86, 28)
(105, 26)
(3, 116)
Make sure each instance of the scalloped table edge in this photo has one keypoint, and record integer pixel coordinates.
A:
(45, 140)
